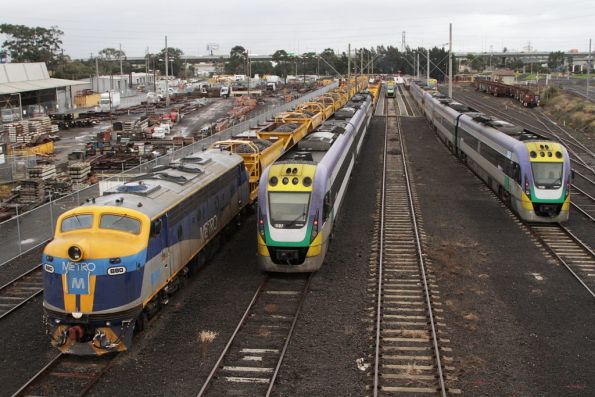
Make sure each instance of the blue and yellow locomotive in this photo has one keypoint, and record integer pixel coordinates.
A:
(115, 259)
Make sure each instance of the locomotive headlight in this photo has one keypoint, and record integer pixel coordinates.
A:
(48, 268)
(75, 253)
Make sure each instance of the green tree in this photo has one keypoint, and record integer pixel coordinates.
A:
(32, 44)
(262, 67)
(555, 60)
(174, 56)
(283, 62)
(237, 61)
(109, 60)
(74, 70)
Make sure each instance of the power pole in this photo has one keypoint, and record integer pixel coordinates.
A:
(348, 62)
(166, 74)
(589, 69)
(97, 72)
(361, 62)
(403, 41)
(417, 71)
(450, 60)
(248, 69)
(428, 66)
(120, 56)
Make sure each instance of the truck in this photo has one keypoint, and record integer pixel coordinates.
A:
(225, 91)
(109, 100)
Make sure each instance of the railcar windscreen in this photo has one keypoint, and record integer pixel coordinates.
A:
(75, 222)
(120, 222)
(288, 208)
(547, 175)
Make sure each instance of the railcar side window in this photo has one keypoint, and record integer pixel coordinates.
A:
(120, 222)
(326, 210)
(75, 222)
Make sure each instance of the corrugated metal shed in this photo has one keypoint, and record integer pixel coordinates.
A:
(23, 77)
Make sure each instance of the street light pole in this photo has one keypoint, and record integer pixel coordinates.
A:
(450, 60)
(166, 75)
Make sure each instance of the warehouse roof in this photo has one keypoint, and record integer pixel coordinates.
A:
(23, 77)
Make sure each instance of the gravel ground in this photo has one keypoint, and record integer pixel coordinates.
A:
(519, 324)
(168, 359)
(331, 333)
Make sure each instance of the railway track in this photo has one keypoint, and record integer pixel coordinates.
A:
(406, 101)
(411, 353)
(250, 361)
(21, 290)
(570, 251)
(66, 375)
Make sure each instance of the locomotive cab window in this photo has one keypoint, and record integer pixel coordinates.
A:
(75, 222)
(121, 223)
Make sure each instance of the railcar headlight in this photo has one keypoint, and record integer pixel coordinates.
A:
(314, 227)
(75, 253)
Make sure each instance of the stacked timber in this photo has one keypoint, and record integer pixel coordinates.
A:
(46, 171)
(32, 191)
(79, 171)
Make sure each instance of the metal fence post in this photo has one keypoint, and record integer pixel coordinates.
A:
(19, 231)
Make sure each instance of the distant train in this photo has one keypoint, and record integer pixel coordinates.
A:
(300, 195)
(529, 172)
(390, 89)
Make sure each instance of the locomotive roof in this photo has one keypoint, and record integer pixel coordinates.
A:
(161, 188)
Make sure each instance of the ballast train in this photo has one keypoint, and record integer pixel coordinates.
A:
(300, 194)
(529, 172)
(114, 259)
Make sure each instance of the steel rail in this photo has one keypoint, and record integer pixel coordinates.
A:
(422, 263)
(14, 281)
(380, 255)
(289, 335)
(38, 375)
(561, 260)
(207, 382)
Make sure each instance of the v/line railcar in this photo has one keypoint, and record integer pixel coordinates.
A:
(114, 260)
(529, 172)
(300, 195)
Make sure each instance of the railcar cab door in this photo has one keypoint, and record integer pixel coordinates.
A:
(161, 268)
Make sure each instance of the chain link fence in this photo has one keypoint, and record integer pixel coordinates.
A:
(31, 229)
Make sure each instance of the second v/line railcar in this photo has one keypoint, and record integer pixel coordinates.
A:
(529, 172)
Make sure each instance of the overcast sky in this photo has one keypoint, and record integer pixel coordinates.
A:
(307, 25)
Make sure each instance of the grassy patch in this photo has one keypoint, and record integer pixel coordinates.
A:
(570, 110)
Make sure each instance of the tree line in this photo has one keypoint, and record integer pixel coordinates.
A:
(39, 44)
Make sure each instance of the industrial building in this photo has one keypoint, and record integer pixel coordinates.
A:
(28, 88)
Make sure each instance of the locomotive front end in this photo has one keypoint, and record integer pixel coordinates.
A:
(93, 277)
